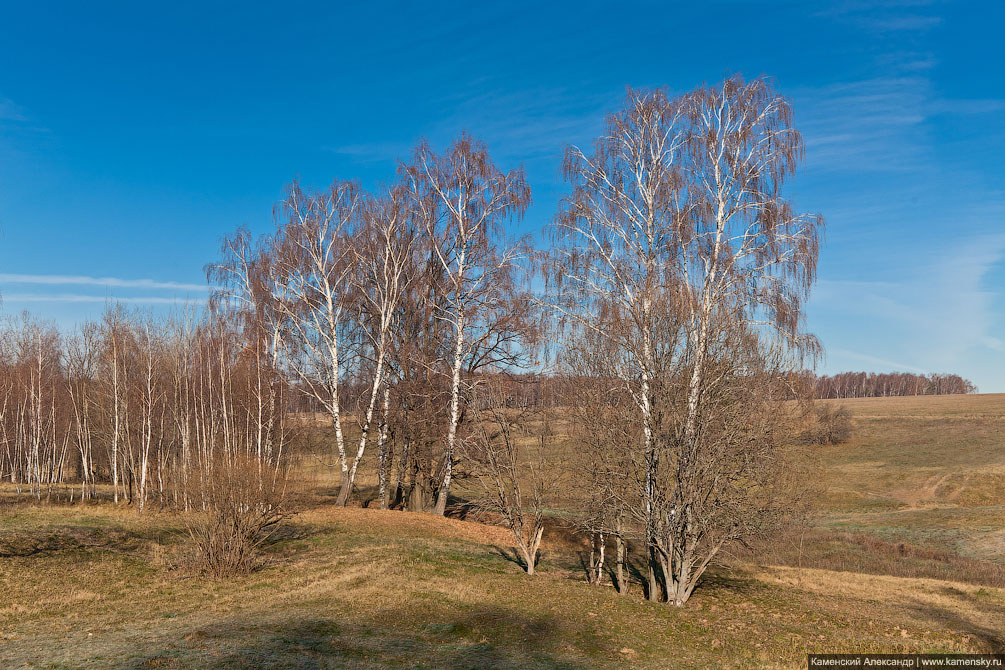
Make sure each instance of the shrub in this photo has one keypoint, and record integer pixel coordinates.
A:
(240, 503)
(827, 425)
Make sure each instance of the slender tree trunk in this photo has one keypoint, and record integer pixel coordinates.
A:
(350, 479)
(653, 593)
(530, 551)
(116, 428)
(455, 393)
(385, 461)
(601, 549)
(620, 564)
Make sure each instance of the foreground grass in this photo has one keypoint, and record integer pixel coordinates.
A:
(367, 589)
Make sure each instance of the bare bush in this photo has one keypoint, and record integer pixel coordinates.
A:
(505, 455)
(240, 506)
(828, 425)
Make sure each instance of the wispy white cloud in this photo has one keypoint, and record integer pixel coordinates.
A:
(83, 280)
(15, 121)
(940, 317)
(10, 111)
(367, 152)
(876, 361)
(886, 121)
(81, 298)
(885, 16)
(869, 125)
(898, 23)
(994, 343)
(530, 126)
(966, 106)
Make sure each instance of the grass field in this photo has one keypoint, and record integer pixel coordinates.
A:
(906, 555)
(927, 470)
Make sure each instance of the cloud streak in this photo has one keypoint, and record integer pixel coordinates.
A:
(82, 298)
(876, 361)
(11, 112)
(83, 280)
(941, 317)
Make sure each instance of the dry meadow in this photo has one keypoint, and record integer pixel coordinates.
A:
(905, 553)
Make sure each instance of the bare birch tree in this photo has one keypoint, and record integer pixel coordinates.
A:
(81, 364)
(464, 200)
(311, 270)
(384, 253)
(615, 254)
(506, 456)
(679, 249)
(382, 249)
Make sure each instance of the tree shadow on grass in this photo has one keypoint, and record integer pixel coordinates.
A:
(990, 640)
(487, 637)
(23, 542)
(713, 583)
(511, 555)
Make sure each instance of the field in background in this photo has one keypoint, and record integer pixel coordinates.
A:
(923, 470)
(907, 553)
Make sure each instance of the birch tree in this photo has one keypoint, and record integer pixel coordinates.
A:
(464, 201)
(81, 365)
(615, 258)
(748, 260)
(680, 250)
(382, 249)
(310, 279)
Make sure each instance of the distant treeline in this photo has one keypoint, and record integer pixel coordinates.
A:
(885, 384)
(549, 391)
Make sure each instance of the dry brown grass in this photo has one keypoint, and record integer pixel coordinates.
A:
(402, 525)
(974, 406)
(365, 588)
(926, 471)
(865, 553)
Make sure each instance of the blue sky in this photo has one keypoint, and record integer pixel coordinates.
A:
(133, 137)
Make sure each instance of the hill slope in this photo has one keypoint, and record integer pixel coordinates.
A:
(926, 470)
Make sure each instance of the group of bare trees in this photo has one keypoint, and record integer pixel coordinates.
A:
(147, 406)
(885, 384)
(679, 276)
(385, 308)
(401, 326)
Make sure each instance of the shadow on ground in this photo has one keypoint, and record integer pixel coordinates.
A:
(482, 638)
(991, 640)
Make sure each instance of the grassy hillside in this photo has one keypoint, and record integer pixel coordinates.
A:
(913, 509)
(926, 470)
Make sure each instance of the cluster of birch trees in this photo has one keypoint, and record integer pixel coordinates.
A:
(680, 272)
(151, 407)
(364, 322)
(395, 323)
(387, 308)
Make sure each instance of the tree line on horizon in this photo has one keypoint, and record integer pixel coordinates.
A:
(399, 325)
(887, 384)
(549, 390)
